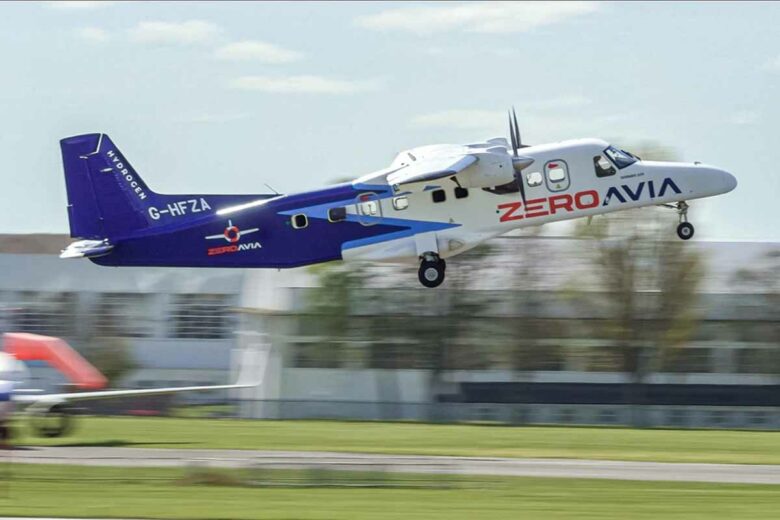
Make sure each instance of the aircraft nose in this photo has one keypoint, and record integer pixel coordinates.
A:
(726, 181)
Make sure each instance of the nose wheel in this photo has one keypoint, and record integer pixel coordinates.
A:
(684, 228)
(431, 273)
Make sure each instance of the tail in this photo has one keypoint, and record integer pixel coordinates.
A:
(106, 196)
(108, 200)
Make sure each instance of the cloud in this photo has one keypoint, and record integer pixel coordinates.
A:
(303, 84)
(181, 33)
(78, 5)
(93, 34)
(772, 65)
(252, 50)
(479, 17)
(744, 117)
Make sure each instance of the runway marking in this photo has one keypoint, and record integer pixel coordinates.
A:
(558, 468)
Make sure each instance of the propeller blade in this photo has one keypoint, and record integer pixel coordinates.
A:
(517, 129)
(512, 134)
(520, 184)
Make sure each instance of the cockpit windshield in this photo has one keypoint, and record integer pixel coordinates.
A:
(621, 158)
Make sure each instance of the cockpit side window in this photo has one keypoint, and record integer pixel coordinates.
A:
(621, 158)
(603, 167)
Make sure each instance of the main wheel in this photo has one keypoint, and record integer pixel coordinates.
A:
(685, 230)
(57, 421)
(431, 273)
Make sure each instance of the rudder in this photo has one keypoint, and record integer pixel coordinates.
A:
(106, 196)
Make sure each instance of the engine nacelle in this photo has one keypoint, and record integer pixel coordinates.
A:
(492, 169)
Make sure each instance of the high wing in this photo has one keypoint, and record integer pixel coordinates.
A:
(254, 361)
(431, 169)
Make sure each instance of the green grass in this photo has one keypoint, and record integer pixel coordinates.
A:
(748, 447)
(66, 491)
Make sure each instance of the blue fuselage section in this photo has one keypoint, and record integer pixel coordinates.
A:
(240, 234)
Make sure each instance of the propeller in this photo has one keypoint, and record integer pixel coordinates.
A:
(517, 130)
(517, 163)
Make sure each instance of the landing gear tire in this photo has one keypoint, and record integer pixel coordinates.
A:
(431, 272)
(685, 230)
(57, 421)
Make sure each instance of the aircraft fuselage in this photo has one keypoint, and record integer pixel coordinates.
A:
(432, 203)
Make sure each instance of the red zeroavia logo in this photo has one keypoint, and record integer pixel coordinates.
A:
(232, 234)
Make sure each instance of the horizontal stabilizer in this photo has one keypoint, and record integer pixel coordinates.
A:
(87, 249)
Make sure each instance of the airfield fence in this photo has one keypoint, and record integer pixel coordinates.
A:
(659, 416)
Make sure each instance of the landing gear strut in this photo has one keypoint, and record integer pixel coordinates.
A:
(684, 228)
(431, 273)
(5, 435)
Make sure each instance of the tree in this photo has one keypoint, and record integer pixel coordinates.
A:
(111, 356)
(650, 283)
(330, 308)
(527, 327)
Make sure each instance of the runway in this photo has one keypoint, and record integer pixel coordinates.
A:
(565, 468)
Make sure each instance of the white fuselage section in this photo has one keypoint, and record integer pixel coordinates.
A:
(566, 180)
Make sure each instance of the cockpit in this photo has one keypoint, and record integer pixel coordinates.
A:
(621, 158)
(605, 163)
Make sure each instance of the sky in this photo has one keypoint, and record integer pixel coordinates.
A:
(228, 97)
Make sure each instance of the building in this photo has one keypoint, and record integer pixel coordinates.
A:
(513, 344)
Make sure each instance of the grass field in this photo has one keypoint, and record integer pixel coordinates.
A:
(748, 447)
(65, 491)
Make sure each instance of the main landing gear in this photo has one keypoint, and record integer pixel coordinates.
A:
(684, 228)
(431, 271)
(5, 435)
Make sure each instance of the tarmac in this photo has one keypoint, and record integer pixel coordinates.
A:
(563, 468)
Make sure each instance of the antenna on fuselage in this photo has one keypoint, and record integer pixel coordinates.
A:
(517, 164)
(271, 188)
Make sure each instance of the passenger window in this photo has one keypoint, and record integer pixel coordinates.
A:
(400, 203)
(300, 221)
(534, 179)
(461, 193)
(603, 167)
(337, 214)
(556, 172)
(557, 175)
(368, 208)
(439, 195)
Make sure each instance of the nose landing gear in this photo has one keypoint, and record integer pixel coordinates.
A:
(684, 228)
(431, 273)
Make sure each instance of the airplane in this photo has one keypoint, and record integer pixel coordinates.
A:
(51, 414)
(432, 203)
